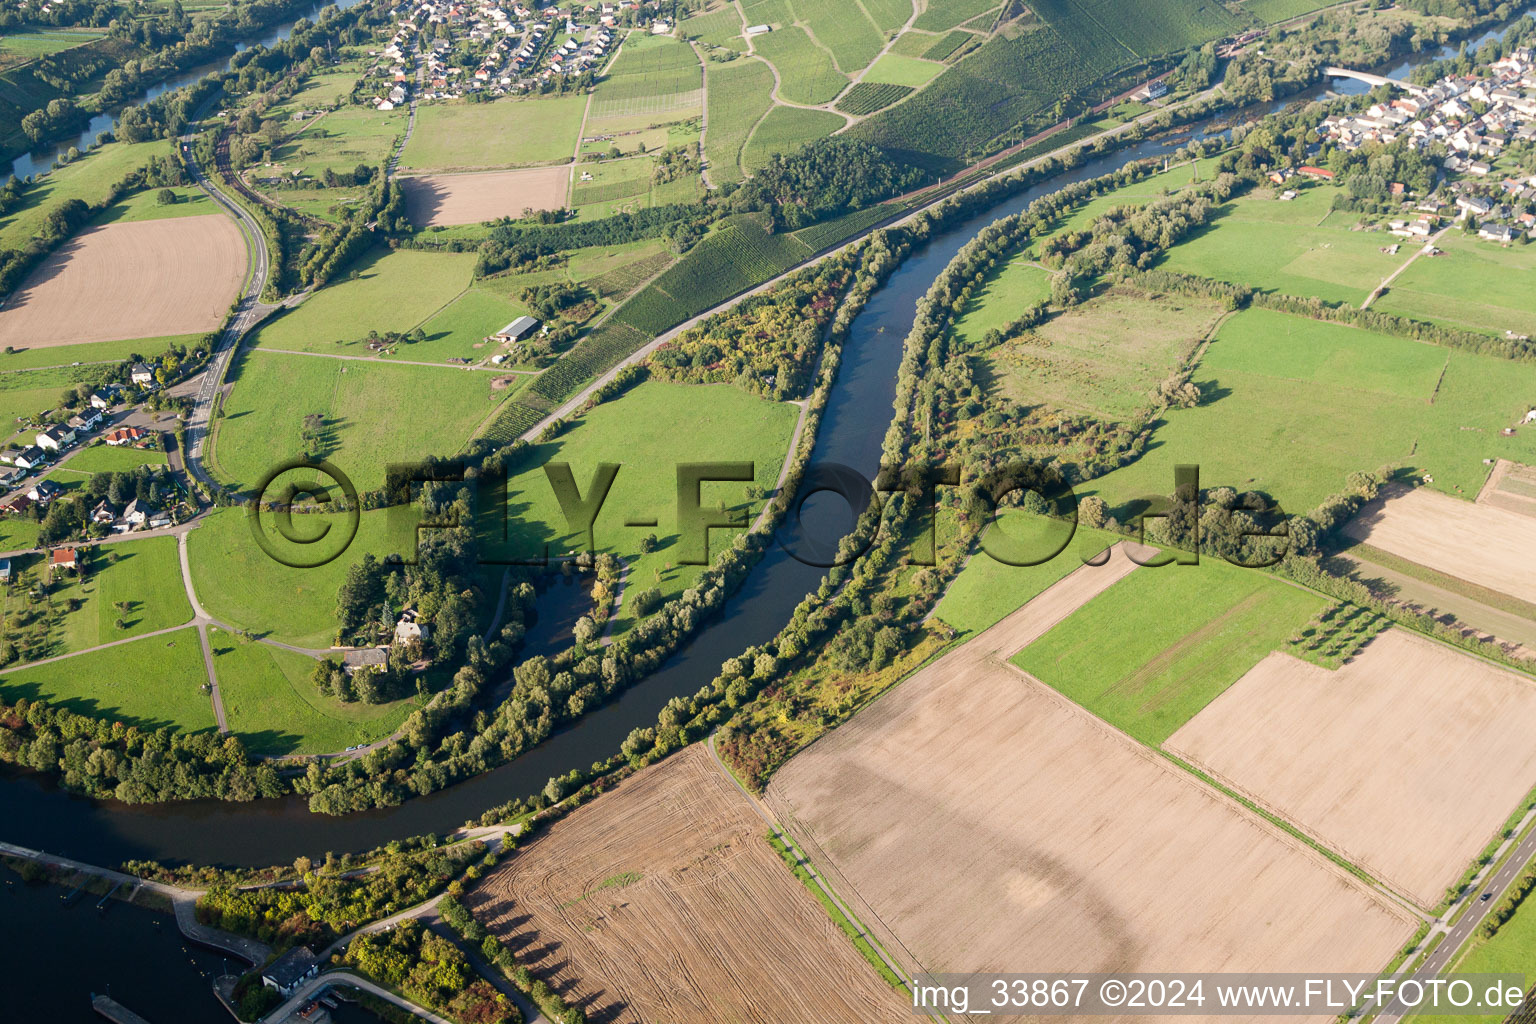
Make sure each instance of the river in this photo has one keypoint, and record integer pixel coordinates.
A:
(41, 159)
(38, 814)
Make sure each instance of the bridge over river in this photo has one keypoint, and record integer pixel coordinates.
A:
(1370, 79)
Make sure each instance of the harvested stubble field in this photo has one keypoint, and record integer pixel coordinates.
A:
(1406, 760)
(662, 901)
(1482, 544)
(433, 199)
(979, 821)
(142, 279)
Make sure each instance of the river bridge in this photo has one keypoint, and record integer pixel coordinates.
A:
(1370, 79)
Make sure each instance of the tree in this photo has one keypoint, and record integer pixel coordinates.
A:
(165, 197)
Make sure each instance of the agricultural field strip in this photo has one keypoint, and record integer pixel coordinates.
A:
(844, 794)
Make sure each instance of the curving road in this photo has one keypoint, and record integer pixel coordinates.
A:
(249, 310)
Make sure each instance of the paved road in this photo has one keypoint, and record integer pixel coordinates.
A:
(248, 311)
(312, 988)
(1471, 920)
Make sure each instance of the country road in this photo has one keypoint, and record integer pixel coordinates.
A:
(1465, 929)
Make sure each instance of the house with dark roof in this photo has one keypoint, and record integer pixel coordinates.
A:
(292, 969)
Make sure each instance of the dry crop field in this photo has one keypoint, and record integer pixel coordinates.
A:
(1511, 487)
(434, 199)
(979, 821)
(1480, 543)
(140, 279)
(1407, 760)
(662, 901)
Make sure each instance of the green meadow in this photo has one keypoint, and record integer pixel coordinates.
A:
(1148, 653)
(153, 682)
(504, 133)
(1476, 285)
(271, 702)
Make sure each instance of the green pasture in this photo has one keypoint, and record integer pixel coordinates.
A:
(339, 141)
(896, 69)
(649, 432)
(1476, 285)
(271, 702)
(372, 413)
(990, 588)
(89, 179)
(1277, 246)
(239, 583)
(1293, 406)
(191, 201)
(152, 682)
(1148, 653)
(385, 291)
(504, 133)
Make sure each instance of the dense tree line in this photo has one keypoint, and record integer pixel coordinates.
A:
(380, 212)
(124, 762)
(546, 998)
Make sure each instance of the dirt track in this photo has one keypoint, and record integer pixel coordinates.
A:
(1483, 544)
(662, 901)
(433, 199)
(984, 822)
(1406, 760)
(142, 279)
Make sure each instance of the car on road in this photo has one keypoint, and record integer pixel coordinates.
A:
(1485, 897)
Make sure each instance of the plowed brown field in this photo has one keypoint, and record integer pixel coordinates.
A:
(978, 821)
(662, 901)
(141, 279)
(433, 199)
(1406, 760)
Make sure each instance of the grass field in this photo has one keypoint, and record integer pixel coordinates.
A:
(28, 43)
(339, 141)
(898, 70)
(143, 576)
(786, 130)
(103, 458)
(806, 72)
(153, 682)
(272, 704)
(649, 432)
(1104, 357)
(29, 392)
(89, 179)
(374, 413)
(1277, 246)
(239, 583)
(191, 201)
(988, 589)
(739, 95)
(505, 133)
(1183, 634)
(1476, 285)
(27, 358)
(393, 291)
(1365, 400)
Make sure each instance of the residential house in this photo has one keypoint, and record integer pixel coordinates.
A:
(364, 657)
(103, 514)
(5, 570)
(133, 516)
(102, 398)
(30, 458)
(408, 629)
(63, 559)
(44, 491)
(85, 422)
(1497, 233)
(125, 435)
(157, 520)
(56, 438)
(142, 375)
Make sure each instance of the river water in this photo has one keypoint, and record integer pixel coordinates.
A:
(40, 160)
(37, 814)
